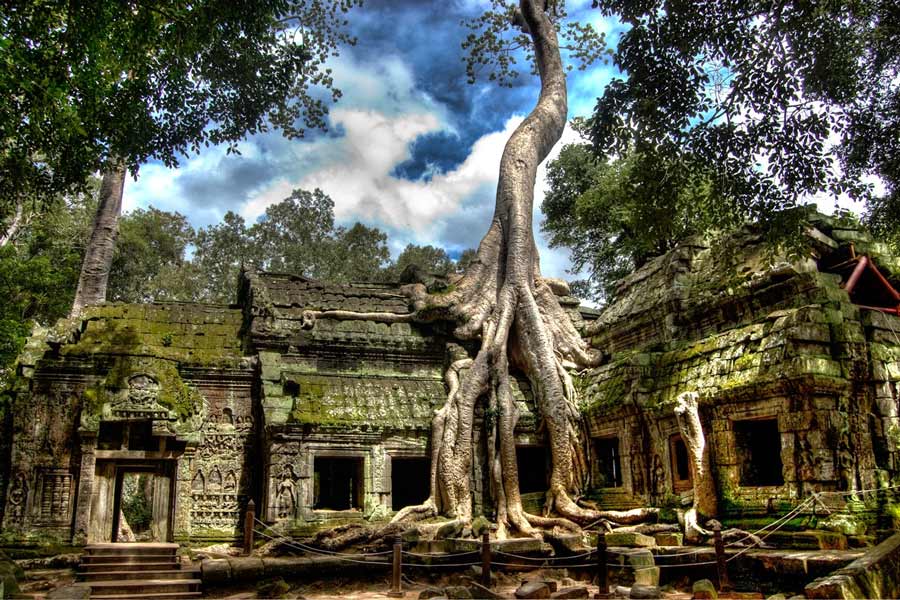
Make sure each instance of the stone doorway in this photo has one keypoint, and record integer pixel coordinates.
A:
(133, 501)
(141, 511)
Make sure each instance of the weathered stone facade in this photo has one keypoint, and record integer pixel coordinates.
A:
(223, 404)
(329, 421)
(797, 380)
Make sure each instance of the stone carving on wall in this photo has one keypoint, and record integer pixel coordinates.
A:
(286, 498)
(18, 496)
(56, 494)
(141, 400)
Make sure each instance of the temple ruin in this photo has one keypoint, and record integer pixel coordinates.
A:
(795, 363)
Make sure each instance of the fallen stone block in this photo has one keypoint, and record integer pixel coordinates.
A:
(646, 575)
(669, 538)
(458, 592)
(571, 592)
(631, 539)
(704, 589)
(479, 591)
(429, 593)
(644, 592)
(533, 589)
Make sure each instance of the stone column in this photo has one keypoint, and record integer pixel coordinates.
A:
(85, 487)
(181, 518)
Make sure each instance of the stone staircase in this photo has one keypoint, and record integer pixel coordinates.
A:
(137, 572)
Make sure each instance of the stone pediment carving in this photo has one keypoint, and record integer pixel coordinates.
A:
(149, 389)
(141, 400)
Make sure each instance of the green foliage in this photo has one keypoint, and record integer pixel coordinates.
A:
(429, 259)
(752, 95)
(498, 42)
(85, 83)
(136, 505)
(615, 215)
(149, 260)
(39, 271)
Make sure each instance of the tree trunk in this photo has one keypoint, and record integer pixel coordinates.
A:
(14, 224)
(687, 412)
(99, 253)
(503, 302)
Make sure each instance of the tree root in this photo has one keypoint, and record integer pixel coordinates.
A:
(503, 302)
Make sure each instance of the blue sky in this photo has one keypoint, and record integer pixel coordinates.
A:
(411, 148)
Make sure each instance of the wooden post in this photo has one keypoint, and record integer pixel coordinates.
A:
(602, 581)
(395, 572)
(486, 559)
(721, 567)
(249, 517)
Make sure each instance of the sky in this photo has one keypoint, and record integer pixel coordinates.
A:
(411, 148)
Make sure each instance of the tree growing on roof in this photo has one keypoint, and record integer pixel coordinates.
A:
(503, 302)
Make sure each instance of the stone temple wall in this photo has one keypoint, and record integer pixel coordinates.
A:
(160, 387)
(323, 421)
(797, 381)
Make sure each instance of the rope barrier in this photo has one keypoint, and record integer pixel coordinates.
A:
(294, 543)
(344, 557)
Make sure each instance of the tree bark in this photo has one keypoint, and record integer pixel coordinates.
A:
(503, 302)
(98, 256)
(14, 224)
(687, 412)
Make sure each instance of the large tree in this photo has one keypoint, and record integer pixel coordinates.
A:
(107, 86)
(773, 101)
(504, 304)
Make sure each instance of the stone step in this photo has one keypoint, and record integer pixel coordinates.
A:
(129, 566)
(159, 575)
(132, 588)
(106, 549)
(172, 595)
(99, 559)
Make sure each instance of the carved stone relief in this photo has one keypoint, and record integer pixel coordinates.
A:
(55, 497)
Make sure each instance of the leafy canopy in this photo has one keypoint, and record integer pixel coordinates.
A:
(771, 100)
(85, 83)
(615, 215)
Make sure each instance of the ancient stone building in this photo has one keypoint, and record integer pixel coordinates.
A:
(796, 363)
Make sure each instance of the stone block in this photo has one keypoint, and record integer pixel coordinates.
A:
(215, 571)
(669, 538)
(630, 540)
(479, 591)
(644, 592)
(572, 592)
(457, 592)
(704, 589)
(77, 591)
(646, 576)
(533, 589)
(429, 593)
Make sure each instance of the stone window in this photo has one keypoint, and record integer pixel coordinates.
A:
(681, 468)
(338, 483)
(410, 481)
(531, 462)
(609, 462)
(758, 445)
